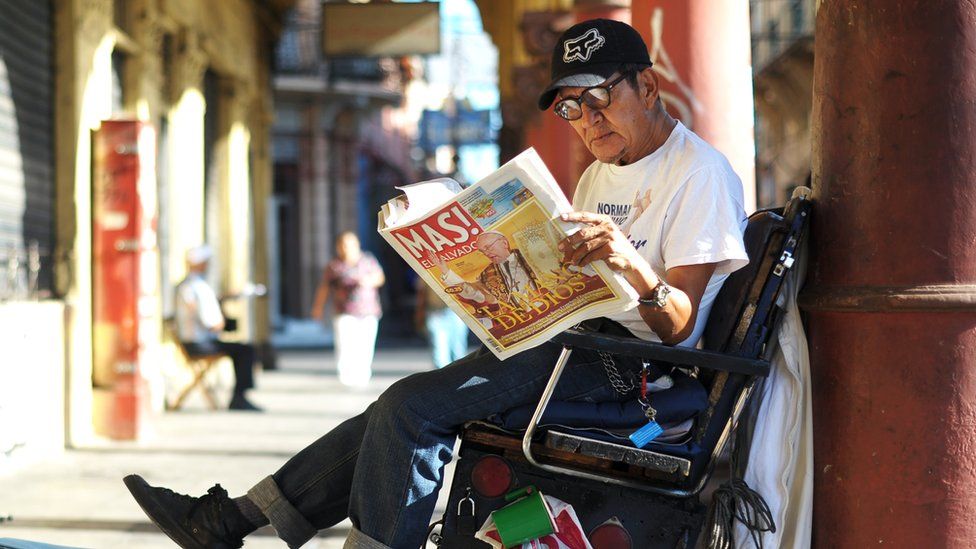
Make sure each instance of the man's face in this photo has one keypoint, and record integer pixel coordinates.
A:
(494, 247)
(617, 134)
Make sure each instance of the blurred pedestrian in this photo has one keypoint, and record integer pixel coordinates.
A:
(199, 321)
(352, 279)
(445, 331)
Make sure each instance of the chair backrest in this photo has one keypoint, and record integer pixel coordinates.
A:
(727, 310)
(744, 315)
(171, 333)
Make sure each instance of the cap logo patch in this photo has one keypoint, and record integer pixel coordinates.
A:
(582, 47)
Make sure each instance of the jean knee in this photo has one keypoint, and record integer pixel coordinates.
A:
(404, 396)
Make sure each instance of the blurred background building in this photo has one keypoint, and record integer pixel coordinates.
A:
(193, 80)
(339, 147)
(32, 375)
(351, 127)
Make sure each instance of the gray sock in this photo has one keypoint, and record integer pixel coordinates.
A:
(251, 512)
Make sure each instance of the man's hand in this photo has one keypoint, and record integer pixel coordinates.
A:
(600, 238)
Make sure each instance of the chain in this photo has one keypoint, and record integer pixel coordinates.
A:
(620, 385)
(617, 381)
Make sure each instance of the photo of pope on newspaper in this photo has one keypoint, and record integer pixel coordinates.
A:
(511, 280)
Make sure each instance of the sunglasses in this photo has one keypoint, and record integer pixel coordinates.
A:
(595, 97)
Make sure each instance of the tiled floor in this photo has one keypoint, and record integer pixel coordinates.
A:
(79, 500)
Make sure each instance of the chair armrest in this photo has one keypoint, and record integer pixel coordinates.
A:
(630, 346)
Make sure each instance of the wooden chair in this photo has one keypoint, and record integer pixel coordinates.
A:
(199, 366)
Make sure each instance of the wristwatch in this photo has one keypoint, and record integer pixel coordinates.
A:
(659, 296)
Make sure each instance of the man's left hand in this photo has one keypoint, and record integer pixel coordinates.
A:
(600, 238)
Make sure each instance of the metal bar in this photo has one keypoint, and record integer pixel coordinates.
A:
(656, 351)
(540, 408)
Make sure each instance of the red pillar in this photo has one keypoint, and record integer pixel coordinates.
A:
(701, 52)
(892, 294)
(554, 139)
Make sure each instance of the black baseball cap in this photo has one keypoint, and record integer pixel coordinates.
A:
(590, 52)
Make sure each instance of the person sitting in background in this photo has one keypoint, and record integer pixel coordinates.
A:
(199, 322)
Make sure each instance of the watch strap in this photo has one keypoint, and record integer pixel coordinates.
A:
(659, 295)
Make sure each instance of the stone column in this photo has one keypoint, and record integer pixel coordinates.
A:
(892, 292)
(144, 78)
(82, 87)
(186, 148)
(237, 101)
(262, 185)
(552, 137)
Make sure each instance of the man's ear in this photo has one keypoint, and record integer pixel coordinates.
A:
(649, 86)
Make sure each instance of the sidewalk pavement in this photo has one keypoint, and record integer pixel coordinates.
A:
(78, 499)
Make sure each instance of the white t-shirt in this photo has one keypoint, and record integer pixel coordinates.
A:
(680, 205)
(195, 292)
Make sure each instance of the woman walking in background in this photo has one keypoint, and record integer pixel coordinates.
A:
(352, 279)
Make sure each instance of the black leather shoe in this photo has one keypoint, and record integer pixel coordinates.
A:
(241, 403)
(193, 523)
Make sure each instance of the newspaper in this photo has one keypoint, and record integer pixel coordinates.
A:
(491, 252)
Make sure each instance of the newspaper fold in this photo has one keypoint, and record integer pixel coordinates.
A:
(490, 251)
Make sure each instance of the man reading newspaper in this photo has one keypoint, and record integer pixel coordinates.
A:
(682, 206)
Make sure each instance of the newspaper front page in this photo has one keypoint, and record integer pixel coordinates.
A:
(490, 251)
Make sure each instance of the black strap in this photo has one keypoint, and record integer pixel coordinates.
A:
(606, 326)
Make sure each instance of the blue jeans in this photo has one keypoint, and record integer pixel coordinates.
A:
(448, 336)
(384, 467)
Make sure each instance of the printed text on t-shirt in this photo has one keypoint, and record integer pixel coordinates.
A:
(617, 212)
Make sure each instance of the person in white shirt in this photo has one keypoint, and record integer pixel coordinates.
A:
(199, 321)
